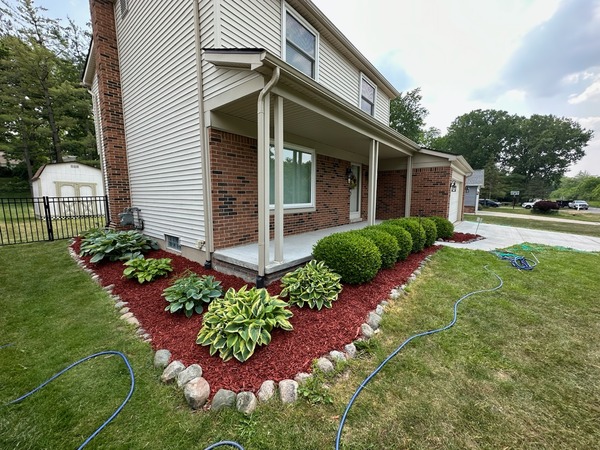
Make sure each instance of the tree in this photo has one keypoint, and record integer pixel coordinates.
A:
(407, 115)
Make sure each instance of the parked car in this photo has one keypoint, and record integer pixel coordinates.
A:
(529, 204)
(489, 202)
(578, 204)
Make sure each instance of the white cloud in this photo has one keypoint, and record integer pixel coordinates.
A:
(591, 93)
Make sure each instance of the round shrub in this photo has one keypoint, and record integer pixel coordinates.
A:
(402, 236)
(354, 257)
(545, 207)
(415, 229)
(386, 244)
(430, 231)
(445, 229)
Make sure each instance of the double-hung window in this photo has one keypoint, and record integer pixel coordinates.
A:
(300, 45)
(367, 96)
(298, 178)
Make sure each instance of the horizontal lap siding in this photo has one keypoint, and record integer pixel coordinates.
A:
(382, 107)
(337, 74)
(160, 103)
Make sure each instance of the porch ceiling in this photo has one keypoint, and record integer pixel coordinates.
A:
(303, 125)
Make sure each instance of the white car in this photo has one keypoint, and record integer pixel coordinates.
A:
(529, 205)
(578, 204)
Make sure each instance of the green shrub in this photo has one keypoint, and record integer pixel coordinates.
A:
(430, 231)
(189, 293)
(313, 284)
(445, 229)
(147, 269)
(417, 233)
(354, 257)
(115, 245)
(402, 236)
(386, 244)
(234, 325)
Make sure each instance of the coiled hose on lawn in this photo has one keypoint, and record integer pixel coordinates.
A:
(395, 352)
(95, 355)
(518, 262)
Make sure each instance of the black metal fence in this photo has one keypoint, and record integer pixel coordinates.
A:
(50, 218)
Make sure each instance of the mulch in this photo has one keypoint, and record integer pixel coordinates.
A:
(463, 238)
(315, 333)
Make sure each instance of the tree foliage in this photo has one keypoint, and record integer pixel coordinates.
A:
(407, 115)
(46, 113)
(583, 186)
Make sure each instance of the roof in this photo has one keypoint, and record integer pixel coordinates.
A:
(458, 162)
(38, 172)
(477, 178)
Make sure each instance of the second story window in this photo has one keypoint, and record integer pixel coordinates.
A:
(300, 46)
(367, 96)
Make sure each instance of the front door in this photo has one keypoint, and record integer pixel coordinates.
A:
(355, 190)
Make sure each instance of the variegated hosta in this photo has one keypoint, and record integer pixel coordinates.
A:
(314, 285)
(234, 325)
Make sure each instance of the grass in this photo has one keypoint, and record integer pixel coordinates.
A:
(574, 228)
(521, 369)
(565, 213)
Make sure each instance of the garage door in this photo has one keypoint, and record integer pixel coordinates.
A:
(454, 203)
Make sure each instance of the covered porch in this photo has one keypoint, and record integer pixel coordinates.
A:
(243, 260)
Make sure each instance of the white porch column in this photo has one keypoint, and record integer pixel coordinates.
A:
(408, 197)
(278, 138)
(373, 167)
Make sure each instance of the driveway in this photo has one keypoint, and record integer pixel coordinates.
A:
(501, 236)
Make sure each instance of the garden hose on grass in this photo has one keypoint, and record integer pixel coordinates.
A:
(95, 355)
(517, 261)
(395, 352)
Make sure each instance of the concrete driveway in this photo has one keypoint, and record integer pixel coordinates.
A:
(501, 236)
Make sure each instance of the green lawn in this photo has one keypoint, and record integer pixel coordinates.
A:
(521, 368)
(564, 213)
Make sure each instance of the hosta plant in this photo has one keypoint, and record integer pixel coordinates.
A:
(234, 325)
(115, 245)
(313, 285)
(190, 292)
(147, 269)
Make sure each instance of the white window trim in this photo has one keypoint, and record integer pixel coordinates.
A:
(288, 9)
(365, 79)
(301, 207)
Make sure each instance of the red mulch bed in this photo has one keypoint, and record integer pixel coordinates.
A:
(315, 333)
(463, 238)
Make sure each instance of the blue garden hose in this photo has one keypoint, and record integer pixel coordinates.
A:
(519, 262)
(101, 427)
(395, 352)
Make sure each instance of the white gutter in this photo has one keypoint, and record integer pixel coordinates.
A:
(209, 244)
(263, 143)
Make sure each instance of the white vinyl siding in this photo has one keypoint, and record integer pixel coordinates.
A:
(160, 108)
(337, 74)
(250, 24)
(382, 107)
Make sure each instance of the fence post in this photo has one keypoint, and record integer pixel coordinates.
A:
(106, 211)
(48, 218)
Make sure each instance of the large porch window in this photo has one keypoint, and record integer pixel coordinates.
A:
(298, 178)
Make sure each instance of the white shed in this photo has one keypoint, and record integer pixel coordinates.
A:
(70, 182)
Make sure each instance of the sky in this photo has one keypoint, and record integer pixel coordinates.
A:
(521, 56)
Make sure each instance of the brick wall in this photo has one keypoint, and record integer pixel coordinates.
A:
(235, 187)
(430, 192)
(110, 107)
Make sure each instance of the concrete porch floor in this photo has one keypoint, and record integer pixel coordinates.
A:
(297, 249)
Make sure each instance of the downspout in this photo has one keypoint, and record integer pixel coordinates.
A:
(263, 123)
(209, 244)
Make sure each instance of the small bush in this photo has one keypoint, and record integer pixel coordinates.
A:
(545, 207)
(147, 269)
(402, 236)
(430, 231)
(417, 233)
(445, 229)
(190, 292)
(354, 257)
(313, 285)
(385, 242)
(115, 245)
(234, 325)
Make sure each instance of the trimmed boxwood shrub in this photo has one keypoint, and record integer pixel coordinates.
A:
(445, 229)
(415, 229)
(402, 236)
(356, 258)
(430, 231)
(385, 242)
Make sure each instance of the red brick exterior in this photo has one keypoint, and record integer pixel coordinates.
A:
(110, 107)
(469, 209)
(233, 160)
(430, 192)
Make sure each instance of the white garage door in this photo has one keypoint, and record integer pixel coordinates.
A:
(454, 203)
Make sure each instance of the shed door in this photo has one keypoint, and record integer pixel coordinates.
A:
(454, 203)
